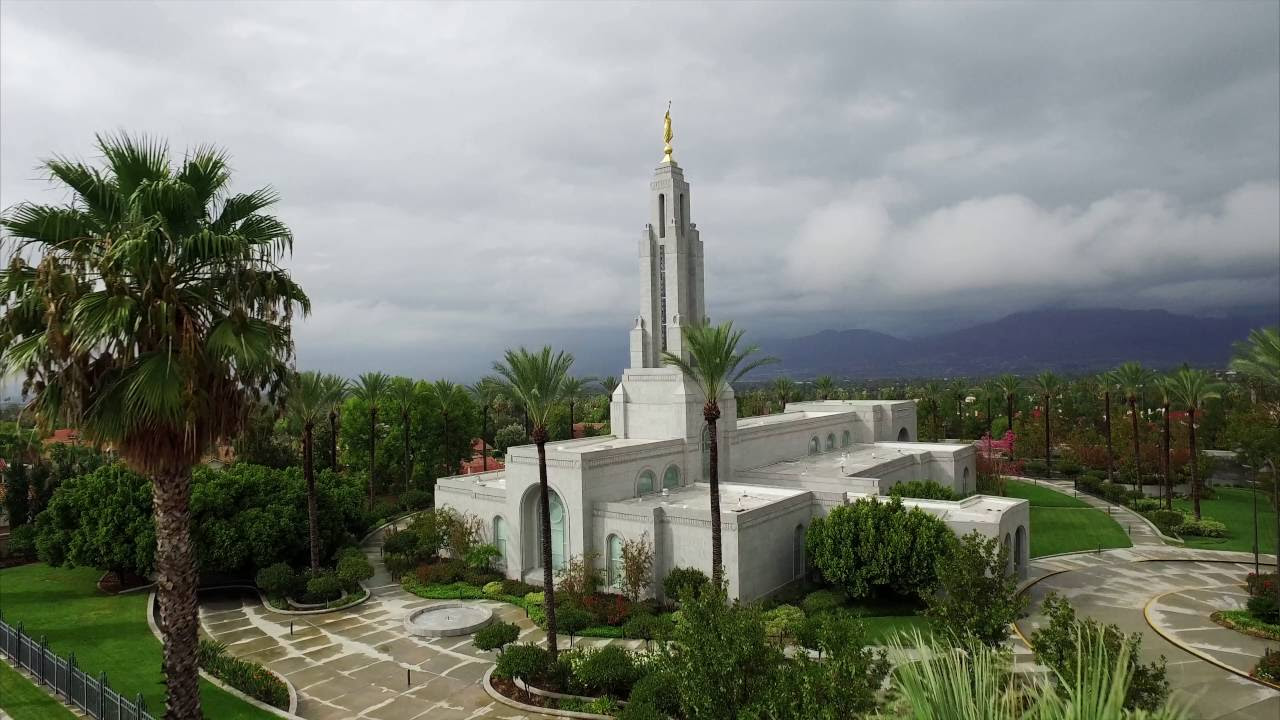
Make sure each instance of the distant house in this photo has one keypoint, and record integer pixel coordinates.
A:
(65, 436)
(584, 429)
(481, 459)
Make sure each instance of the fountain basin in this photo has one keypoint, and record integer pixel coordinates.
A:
(447, 620)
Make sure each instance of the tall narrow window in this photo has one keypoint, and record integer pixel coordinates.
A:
(662, 290)
(682, 213)
(615, 561)
(500, 539)
(662, 215)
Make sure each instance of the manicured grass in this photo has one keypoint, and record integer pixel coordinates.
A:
(1041, 496)
(106, 632)
(1058, 530)
(1233, 507)
(1244, 621)
(24, 701)
(881, 628)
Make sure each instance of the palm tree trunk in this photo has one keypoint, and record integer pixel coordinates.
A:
(1168, 477)
(711, 413)
(313, 515)
(571, 421)
(1106, 416)
(484, 443)
(1009, 408)
(1048, 455)
(333, 439)
(408, 468)
(1195, 471)
(1137, 456)
(448, 470)
(373, 451)
(990, 419)
(176, 593)
(548, 582)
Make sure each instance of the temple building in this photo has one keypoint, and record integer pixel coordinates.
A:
(650, 476)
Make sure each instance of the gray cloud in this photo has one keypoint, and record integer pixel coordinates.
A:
(460, 177)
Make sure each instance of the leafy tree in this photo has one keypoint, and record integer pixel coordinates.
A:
(1132, 379)
(870, 546)
(1191, 389)
(371, 388)
(978, 595)
(1047, 386)
(101, 520)
(845, 683)
(509, 437)
(260, 441)
(537, 380)
(496, 636)
(17, 494)
(637, 567)
(1058, 645)
(714, 364)
(155, 314)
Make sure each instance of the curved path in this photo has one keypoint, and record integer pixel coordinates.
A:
(1116, 586)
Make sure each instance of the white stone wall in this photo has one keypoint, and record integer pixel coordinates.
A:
(765, 557)
(757, 446)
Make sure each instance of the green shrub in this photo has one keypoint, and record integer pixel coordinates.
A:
(496, 635)
(22, 541)
(1264, 584)
(1035, 467)
(323, 586)
(644, 711)
(1268, 668)
(681, 582)
(517, 588)
(415, 500)
(535, 598)
(400, 542)
(443, 572)
(783, 621)
(1264, 608)
(399, 565)
(1146, 504)
(923, 489)
(1167, 520)
(353, 567)
(647, 627)
(525, 662)
(872, 547)
(1113, 492)
(1069, 469)
(1204, 527)
(611, 670)
(573, 619)
(978, 597)
(1091, 484)
(249, 678)
(480, 557)
(820, 601)
(277, 581)
(658, 691)
(493, 589)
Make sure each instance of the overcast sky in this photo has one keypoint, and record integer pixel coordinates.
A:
(460, 178)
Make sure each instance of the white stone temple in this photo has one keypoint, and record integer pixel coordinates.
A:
(777, 472)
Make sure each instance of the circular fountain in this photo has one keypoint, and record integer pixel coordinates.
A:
(447, 620)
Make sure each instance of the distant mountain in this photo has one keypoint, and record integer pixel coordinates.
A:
(1069, 341)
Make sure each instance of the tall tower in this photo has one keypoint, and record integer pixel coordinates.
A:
(655, 400)
(670, 267)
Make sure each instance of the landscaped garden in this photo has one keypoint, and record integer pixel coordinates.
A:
(1061, 523)
(1233, 507)
(107, 633)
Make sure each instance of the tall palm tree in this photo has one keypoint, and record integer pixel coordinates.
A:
(537, 380)
(306, 403)
(371, 389)
(1191, 389)
(608, 383)
(486, 392)
(337, 390)
(1047, 386)
(1132, 379)
(714, 364)
(1010, 386)
(957, 391)
(932, 393)
(783, 389)
(1165, 388)
(989, 391)
(402, 393)
(1258, 360)
(1105, 382)
(156, 312)
(825, 387)
(574, 391)
(446, 395)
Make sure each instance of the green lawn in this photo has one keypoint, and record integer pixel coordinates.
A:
(1058, 530)
(1234, 508)
(883, 627)
(24, 701)
(106, 632)
(1041, 496)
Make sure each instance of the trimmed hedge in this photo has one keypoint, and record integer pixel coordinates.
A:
(249, 678)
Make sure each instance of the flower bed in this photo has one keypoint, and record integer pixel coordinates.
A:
(249, 678)
(1243, 621)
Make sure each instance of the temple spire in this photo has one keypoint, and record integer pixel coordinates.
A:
(666, 135)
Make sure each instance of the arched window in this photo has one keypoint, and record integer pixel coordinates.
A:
(614, 568)
(532, 541)
(671, 478)
(1019, 549)
(831, 441)
(662, 215)
(815, 446)
(646, 482)
(500, 539)
(904, 436)
(964, 481)
(844, 439)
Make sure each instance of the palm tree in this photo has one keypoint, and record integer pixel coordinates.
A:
(1191, 389)
(155, 314)
(989, 390)
(337, 390)
(608, 383)
(825, 387)
(574, 391)
(307, 402)
(371, 389)
(1132, 378)
(537, 380)
(1047, 385)
(446, 395)
(1011, 386)
(403, 392)
(714, 364)
(486, 392)
(783, 389)
(1105, 382)
(1258, 358)
(1165, 388)
(958, 390)
(932, 393)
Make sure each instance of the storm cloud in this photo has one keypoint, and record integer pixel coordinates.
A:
(464, 177)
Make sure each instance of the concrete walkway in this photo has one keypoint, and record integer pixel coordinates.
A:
(1183, 618)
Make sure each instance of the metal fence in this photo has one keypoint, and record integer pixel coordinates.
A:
(92, 695)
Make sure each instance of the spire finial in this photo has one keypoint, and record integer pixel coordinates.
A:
(666, 135)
